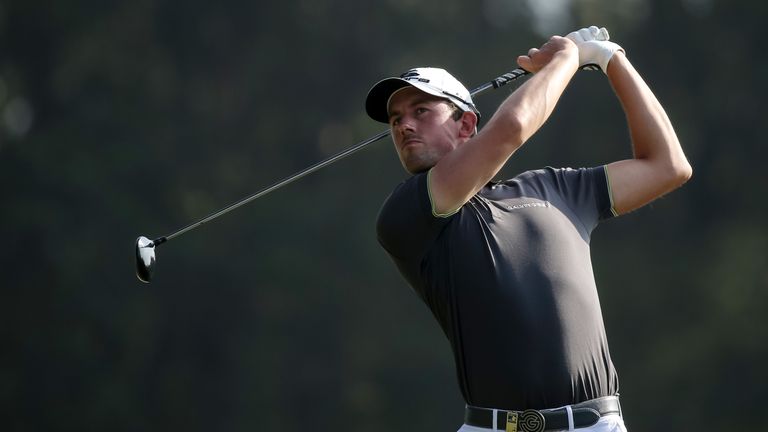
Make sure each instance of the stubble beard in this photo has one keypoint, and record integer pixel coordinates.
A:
(419, 160)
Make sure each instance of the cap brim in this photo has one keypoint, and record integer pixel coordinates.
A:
(378, 97)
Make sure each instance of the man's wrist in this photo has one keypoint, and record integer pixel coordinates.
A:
(568, 58)
(617, 61)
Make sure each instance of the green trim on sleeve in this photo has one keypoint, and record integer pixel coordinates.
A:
(432, 202)
(610, 191)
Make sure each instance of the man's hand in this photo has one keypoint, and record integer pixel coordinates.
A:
(537, 58)
(594, 47)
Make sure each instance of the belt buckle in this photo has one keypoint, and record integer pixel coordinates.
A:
(527, 421)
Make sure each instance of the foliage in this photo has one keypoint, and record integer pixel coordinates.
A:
(126, 118)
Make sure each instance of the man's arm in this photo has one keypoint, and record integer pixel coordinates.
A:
(659, 164)
(465, 170)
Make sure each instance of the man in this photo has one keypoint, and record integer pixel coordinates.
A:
(505, 267)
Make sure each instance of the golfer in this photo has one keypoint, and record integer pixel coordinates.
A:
(505, 266)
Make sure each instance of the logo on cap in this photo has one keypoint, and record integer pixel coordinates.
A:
(413, 74)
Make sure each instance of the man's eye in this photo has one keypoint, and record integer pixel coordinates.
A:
(421, 110)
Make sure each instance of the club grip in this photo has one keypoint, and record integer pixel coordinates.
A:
(509, 76)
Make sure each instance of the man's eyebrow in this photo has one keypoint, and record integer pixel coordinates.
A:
(418, 101)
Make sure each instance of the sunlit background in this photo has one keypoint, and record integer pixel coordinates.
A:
(120, 119)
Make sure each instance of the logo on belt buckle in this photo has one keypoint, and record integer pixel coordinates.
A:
(527, 421)
(511, 421)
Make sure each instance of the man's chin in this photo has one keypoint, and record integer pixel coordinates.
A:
(417, 169)
(417, 165)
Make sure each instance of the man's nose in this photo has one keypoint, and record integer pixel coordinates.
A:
(404, 125)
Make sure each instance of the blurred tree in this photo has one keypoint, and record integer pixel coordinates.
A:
(123, 116)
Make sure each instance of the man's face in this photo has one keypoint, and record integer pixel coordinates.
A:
(422, 128)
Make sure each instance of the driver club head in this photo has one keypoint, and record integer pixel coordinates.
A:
(145, 258)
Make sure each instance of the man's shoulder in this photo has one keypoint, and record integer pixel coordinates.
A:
(406, 196)
(535, 176)
(558, 173)
(546, 171)
(405, 225)
(408, 186)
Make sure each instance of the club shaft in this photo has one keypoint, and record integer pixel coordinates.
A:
(279, 184)
(495, 83)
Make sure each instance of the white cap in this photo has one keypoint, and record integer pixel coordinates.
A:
(435, 81)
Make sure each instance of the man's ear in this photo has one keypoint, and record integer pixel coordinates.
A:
(468, 125)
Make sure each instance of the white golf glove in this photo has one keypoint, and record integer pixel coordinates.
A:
(595, 50)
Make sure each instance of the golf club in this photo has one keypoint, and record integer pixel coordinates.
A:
(145, 248)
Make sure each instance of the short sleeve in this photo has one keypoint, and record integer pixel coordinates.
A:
(587, 193)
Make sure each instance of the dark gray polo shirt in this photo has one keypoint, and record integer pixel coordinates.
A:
(509, 279)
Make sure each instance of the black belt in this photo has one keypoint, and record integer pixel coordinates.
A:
(584, 414)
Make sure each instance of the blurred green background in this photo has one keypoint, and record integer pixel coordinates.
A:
(120, 119)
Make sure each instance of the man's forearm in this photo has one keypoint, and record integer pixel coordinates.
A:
(525, 111)
(653, 137)
(659, 164)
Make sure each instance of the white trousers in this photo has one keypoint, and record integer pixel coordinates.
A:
(609, 423)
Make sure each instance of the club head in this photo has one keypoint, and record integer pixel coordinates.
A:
(145, 258)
